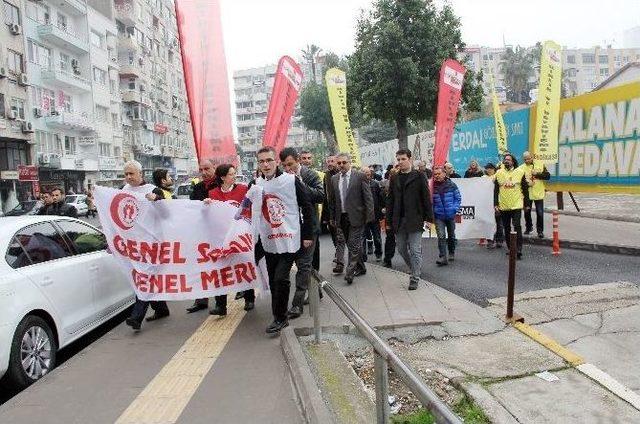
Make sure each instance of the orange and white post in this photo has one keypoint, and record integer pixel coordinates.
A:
(556, 235)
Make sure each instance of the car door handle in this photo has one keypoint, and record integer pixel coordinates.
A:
(46, 281)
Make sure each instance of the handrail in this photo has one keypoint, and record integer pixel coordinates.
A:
(384, 356)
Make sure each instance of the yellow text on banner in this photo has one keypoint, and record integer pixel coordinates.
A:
(501, 130)
(337, 89)
(545, 145)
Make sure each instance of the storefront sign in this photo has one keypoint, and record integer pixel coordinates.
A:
(160, 128)
(27, 173)
(8, 175)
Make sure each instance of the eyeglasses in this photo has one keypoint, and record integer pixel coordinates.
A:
(268, 160)
(342, 162)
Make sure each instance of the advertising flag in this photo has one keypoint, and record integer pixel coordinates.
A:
(545, 144)
(449, 92)
(501, 130)
(286, 87)
(205, 75)
(336, 81)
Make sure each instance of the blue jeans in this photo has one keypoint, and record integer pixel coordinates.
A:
(446, 230)
(410, 248)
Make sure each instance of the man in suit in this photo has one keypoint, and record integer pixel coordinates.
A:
(290, 161)
(351, 210)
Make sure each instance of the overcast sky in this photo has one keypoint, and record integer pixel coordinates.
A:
(258, 32)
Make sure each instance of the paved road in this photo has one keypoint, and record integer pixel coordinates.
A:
(479, 274)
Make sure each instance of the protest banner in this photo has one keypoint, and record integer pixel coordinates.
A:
(384, 153)
(286, 87)
(449, 92)
(545, 143)
(336, 82)
(179, 249)
(205, 76)
(475, 218)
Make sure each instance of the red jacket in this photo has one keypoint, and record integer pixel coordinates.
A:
(234, 196)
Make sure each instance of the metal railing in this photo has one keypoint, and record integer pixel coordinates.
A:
(384, 357)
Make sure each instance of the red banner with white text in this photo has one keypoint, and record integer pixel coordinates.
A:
(286, 88)
(449, 91)
(205, 75)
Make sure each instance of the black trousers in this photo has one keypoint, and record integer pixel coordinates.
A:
(539, 205)
(140, 308)
(315, 264)
(372, 232)
(249, 296)
(279, 270)
(498, 236)
(509, 217)
(389, 245)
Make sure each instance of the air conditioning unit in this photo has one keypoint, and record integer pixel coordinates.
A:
(54, 112)
(37, 112)
(44, 159)
(3, 72)
(15, 29)
(74, 63)
(22, 79)
(76, 71)
(13, 114)
(27, 127)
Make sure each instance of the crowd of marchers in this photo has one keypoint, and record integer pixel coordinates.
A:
(366, 212)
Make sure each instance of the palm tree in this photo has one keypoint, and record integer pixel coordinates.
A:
(517, 67)
(310, 54)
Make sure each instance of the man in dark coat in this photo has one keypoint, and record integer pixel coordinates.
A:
(408, 208)
(372, 242)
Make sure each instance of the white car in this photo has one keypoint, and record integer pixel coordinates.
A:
(78, 201)
(57, 282)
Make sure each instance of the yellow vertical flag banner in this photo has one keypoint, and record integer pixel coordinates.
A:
(545, 142)
(501, 130)
(336, 81)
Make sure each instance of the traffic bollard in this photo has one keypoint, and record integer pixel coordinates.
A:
(556, 235)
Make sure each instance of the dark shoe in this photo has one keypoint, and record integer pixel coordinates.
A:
(413, 284)
(540, 235)
(196, 307)
(378, 258)
(451, 257)
(249, 306)
(527, 232)
(277, 326)
(294, 312)
(442, 262)
(239, 295)
(133, 323)
(339, 269)
(387, 264)
(358, 272)
(157, 315)
(498, 245)
(519, 255)
(218, 311)
(349, 280)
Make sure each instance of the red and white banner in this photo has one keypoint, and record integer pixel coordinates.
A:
(286, 87)
(449, 91)
(179, 249)
(205, 75)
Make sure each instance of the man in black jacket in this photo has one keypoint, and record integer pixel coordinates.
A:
(372, 242)
(408, 208)
(58, 206)
(201, 192)
(290, 161)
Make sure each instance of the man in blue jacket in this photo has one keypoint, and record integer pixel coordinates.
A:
(446, 202)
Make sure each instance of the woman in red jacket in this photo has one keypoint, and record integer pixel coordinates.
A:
(228, 191)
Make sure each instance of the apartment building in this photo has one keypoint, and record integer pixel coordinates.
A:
(252, 89)
(156, 127)
(16, 125)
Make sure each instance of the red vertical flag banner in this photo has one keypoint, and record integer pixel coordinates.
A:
(205, 75)
(286, 88)
(449, 91)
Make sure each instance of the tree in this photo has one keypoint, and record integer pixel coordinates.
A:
(400, 48)
(517, 66)
(310, 54)
(315, 112)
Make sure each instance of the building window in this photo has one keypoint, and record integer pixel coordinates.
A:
(14, 62)
(18, 106)
(116, 152)
(99, 76)
(2, 112)
(65, 62)
(603, 58)
(97, 39)
(13, 154)
(105, 149)
(69, 145)
(39, 12)
(67, 103)
(571, 59)
(588, 58)
(11, 14)
(38, 54)
(114, 121)
(102, 114)
(604, 72)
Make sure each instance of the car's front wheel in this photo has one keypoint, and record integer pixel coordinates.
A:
(33, 352)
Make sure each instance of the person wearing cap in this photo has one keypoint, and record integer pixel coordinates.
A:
(498, 236)
(539, 174)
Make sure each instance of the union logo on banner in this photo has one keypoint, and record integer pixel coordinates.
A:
(453, 78)
(273, 210)
(124, 210)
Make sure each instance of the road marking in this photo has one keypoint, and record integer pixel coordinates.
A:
(613, 385)
(550, 344)
(166, 396)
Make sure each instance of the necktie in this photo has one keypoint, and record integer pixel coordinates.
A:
(343, 192)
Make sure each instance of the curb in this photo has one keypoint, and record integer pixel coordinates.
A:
(485, 400)
(314, 409)
(586, 245)
(595, 215)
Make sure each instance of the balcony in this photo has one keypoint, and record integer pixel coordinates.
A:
(71, 121)
(131, 70)
(133, 96)
(127, 42)
(63, 37)
(73, 7)
(66, 80)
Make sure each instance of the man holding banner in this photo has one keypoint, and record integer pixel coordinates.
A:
(539, 174)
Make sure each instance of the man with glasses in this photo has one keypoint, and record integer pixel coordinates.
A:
(351, 209)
